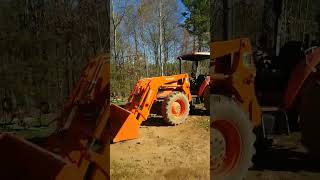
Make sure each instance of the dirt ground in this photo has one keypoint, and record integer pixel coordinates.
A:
(286, 160)
(182, 152)
(164, 152)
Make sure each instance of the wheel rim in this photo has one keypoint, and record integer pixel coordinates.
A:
(178, 108)
(227, 140)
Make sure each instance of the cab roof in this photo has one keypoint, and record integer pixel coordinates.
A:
(196, 56)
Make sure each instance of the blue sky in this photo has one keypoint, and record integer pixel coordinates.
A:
(181, 19)
(181, 9)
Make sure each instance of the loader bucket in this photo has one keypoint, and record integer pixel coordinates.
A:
(123, 124)
(20, 159)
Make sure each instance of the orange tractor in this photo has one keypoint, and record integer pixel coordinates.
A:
(238, 121)
(169, 96)
(173, 95)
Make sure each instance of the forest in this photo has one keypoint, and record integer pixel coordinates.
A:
(265, 21)
(148, 35)
(44, 44)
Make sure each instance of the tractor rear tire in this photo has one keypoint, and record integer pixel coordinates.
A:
(175, 108)
(232, 140)
(309, 115)
(206, 98)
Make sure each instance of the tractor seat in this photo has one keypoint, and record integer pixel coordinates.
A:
(197, 83)
(200, 79)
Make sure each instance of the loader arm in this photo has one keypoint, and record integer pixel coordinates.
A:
(84, 118)
(125, 122)
(222, 48)
(149, 88)
(79, 148)
(235, 76)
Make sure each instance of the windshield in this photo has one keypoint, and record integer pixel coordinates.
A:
(196, 67)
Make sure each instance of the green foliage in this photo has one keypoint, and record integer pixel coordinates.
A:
(198, 19)
(45, 44)
(203, 123)
(125, 77)
(136, 42)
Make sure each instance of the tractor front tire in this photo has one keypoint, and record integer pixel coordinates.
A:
(232, 140)
(309, 115)
(175, 108)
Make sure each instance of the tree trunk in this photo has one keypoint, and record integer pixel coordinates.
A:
(161, 37)
(227, 19)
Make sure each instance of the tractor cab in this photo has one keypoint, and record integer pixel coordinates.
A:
(197, 66)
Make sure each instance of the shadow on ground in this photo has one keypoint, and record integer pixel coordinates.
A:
(284, 159)
(199, 112)
(38, 140)
(157, 120)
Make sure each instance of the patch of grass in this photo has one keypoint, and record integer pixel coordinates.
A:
(124, 171)
(180, 173)
(29, 133)
(30, 128)
(186, 147)
(203, 123)
(118, 102)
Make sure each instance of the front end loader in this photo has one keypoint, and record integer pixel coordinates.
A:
(173, 95)
(289, 87)
(234, 109)
(79, 148)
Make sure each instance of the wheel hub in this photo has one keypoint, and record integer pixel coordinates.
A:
(225, 146)
(176, 108)
(218, 149)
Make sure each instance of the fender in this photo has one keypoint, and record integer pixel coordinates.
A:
(298, 77)
(203, 86)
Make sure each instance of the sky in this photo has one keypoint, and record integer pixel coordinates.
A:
(181, 9)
